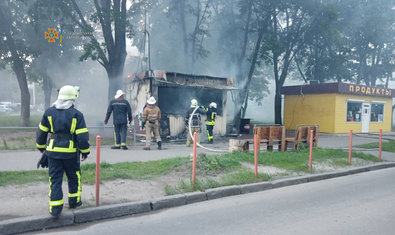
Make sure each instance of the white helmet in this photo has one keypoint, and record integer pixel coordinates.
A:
(68, 92)
(194, 103)
(212, 104)
(119, 94)
(151, 100)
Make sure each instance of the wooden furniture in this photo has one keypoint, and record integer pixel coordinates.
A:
(271, 135)
(302, 137)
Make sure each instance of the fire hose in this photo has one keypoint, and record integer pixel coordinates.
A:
(190, 133)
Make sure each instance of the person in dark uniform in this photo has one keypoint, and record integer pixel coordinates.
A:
(68, 138)
(122, 112)
(196, 122)
(211, 115)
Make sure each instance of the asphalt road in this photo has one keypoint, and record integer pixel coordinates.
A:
(356, 204)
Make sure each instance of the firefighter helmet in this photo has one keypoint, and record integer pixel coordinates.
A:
(213, 105)
(151, 100)
(68, 93)
(119, 94)
(194, 103)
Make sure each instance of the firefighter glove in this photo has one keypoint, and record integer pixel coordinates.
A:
(43, 162)
(105, 121)
(84, 156)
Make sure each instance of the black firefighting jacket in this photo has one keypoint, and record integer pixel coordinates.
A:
(122, 111)
(196, 118)
(211, 114)
(68, 133)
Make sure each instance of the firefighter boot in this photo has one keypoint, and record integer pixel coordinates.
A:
(210, 141)
(147, 148)
(73, 205)
(56, 210)
(159, 145)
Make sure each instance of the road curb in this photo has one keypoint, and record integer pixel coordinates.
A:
(36, 223)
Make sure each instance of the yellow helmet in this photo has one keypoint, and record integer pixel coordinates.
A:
(194, 103)
(68, 93)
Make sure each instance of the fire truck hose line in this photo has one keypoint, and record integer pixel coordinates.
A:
(201, 146)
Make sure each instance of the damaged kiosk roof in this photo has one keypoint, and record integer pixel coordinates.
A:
(173, 79)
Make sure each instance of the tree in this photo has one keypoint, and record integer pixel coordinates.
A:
(372, 39)
(283, 39)
(198, 23)
(239, 42)
(46, 14)
(325, 55)
(13, 49)
(110, 15)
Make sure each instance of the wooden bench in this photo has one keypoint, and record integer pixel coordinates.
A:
(271, 135)
(302, 137)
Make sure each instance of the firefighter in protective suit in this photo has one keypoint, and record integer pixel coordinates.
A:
(196, 123)
(151, 117)
(211, 115)
(68, 138)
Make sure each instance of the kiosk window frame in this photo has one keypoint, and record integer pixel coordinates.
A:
(377, 112)
(354, 111)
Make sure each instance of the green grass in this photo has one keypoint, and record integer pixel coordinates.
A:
(13, 119)
(386, 146)
(125, 170)
(212, 170)
(298, 161)
(22, 177)
(131, 170)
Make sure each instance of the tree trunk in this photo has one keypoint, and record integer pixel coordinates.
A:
(277, 106)
(240, 77)
(19, 69)
(47, 87)
(25, 95)
(115, 77)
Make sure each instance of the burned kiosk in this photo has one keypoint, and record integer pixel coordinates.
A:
(174, 92)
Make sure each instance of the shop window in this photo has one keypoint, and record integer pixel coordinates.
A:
(377, 112)
(354, 110)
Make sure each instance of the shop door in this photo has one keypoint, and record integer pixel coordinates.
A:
(365, 119)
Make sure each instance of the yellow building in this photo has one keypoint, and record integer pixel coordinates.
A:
(338, 107)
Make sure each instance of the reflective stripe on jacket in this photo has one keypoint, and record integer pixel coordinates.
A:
(68, 133)
(211, 115)
(151, 114)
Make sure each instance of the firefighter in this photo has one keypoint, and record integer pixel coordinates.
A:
(151, 117)
(122, 112)
(196, 121)
(211, 115)
(68, 138)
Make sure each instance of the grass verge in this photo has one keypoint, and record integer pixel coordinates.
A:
(212, 170)
(13, 119)
(386, 146)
